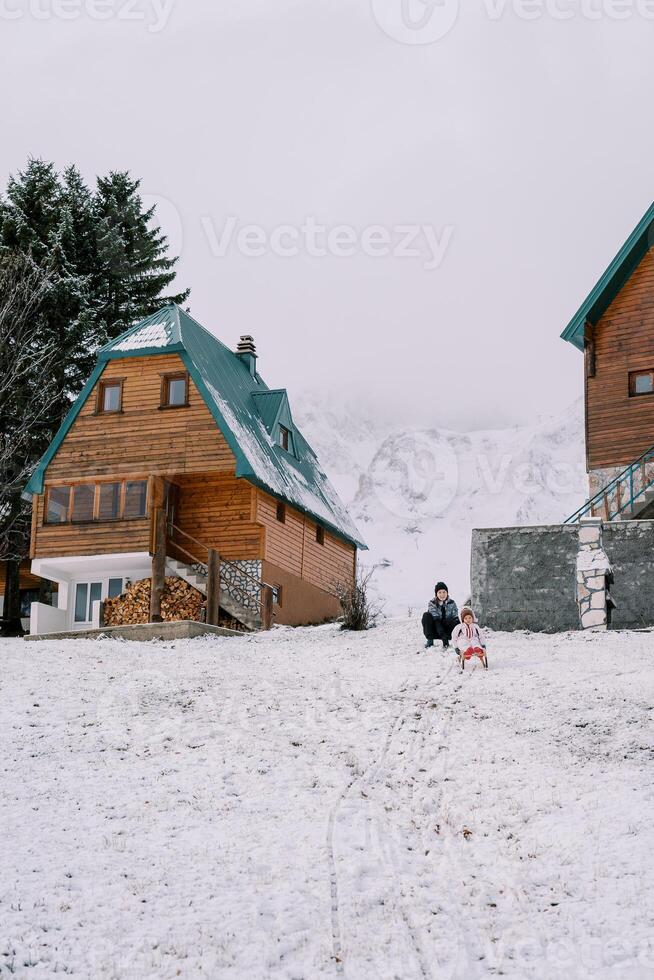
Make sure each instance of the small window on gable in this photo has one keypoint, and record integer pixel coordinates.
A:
(641, 382)
(320, 534)
(110, 397)
(284, 438)
(281, 512)
(174, 390)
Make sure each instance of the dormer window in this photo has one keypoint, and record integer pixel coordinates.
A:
(110, 397)
(284, 438)
(174, 390)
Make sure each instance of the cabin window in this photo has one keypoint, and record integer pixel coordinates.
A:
(284, 437)
(109, 503)
(641, 383)
(83, 500)
(115, 587)
(86, 502)
(320, 534)
(110, 397)
(277, 595)
(281, 513)
(58, 505)
(136, 493)
(174, 390)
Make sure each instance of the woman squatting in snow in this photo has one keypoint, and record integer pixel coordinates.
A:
(441, 618)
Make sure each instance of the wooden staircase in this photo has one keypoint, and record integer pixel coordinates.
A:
(197, 576)
(226, 584)
(626, 497)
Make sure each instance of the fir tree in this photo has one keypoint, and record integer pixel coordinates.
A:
(133, 269)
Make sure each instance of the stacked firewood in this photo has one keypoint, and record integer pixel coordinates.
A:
(179, 601)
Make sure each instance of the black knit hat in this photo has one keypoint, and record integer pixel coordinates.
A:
(441, 585)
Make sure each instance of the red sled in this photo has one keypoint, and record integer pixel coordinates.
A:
(473, 652)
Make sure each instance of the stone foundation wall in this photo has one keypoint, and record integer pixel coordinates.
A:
(598, 479)
(237, 580)
(526, 577)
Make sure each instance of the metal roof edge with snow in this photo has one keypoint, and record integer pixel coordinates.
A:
(612, 281)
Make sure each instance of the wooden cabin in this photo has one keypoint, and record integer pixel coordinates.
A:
(176, 444)
(614, 328)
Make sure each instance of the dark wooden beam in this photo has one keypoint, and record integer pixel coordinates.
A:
(158, 563)
(213, 587)
(266, 607)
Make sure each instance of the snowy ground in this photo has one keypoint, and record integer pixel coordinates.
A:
(317, 804)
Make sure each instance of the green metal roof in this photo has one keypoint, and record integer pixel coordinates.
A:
(243, 407)
(610, 284)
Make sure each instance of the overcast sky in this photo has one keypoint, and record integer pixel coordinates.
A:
(432, 191)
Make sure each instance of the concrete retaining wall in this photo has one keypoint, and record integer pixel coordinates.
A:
(184, 629)
(525, 577)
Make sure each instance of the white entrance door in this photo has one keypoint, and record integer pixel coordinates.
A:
(86, 593)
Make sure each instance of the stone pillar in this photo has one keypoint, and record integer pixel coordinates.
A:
(593, 567)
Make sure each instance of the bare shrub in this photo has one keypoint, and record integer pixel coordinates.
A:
(360, 611)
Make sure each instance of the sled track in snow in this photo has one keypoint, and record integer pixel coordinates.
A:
(372, 771)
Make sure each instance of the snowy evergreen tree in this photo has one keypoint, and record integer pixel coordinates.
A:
(133, 269)
(105, 266)
(28, 392)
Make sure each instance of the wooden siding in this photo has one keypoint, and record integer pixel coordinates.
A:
(620, 428)
(292, 546)
(218, 511)
(143, 438)
(139, 441)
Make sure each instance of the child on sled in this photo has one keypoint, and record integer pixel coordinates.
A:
(467, 639)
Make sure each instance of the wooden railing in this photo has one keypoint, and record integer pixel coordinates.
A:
(164, 541)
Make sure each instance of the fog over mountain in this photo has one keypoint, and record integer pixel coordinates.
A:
(416, 494)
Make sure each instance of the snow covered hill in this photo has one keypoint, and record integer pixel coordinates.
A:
(416, 494)
(315, 804)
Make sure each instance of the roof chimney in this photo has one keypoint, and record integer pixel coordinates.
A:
(248, 353)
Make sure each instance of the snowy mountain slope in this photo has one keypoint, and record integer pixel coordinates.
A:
(416, 494)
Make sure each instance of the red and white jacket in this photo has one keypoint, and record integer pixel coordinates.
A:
(464, 636)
